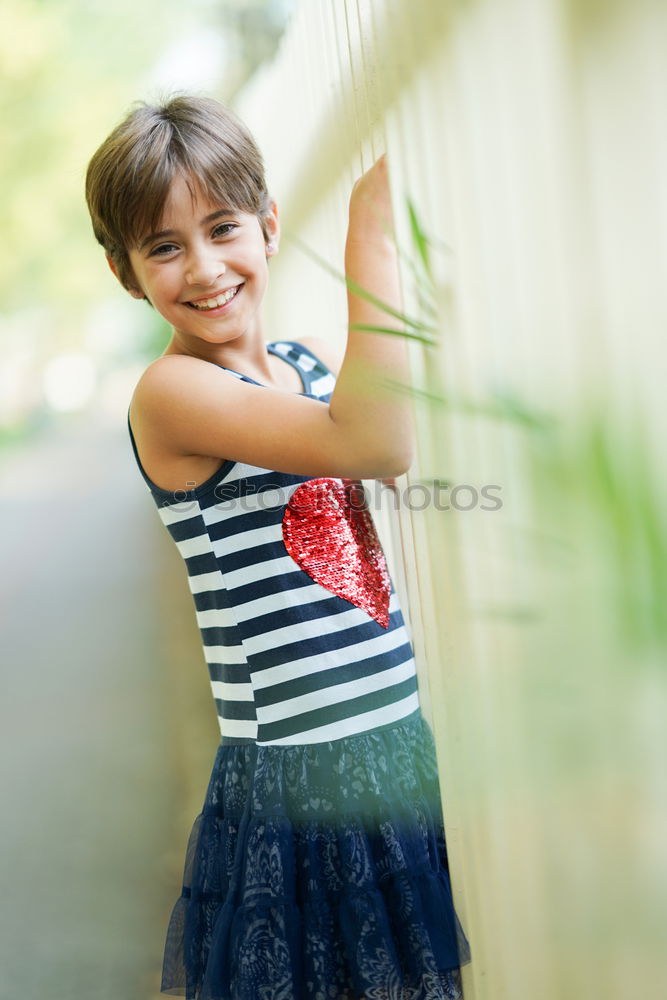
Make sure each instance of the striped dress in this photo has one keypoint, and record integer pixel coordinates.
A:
(308, 653)
(289, 661)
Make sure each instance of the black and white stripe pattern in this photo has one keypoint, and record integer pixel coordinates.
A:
(289, 661)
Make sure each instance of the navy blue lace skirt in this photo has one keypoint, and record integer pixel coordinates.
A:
(319, 872)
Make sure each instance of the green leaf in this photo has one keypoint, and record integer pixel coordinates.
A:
(357, 289)
(400, 333)
(419, 238)
(498, 409)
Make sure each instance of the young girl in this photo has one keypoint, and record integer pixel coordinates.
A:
(317, 867)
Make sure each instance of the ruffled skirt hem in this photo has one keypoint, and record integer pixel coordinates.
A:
(319, 872)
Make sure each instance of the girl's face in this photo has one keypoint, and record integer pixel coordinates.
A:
(205, 270)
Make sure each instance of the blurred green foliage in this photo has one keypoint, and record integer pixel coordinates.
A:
(598, 501)
(598, 485)
(70, 72)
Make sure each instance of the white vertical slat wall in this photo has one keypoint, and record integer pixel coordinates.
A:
(531, 138)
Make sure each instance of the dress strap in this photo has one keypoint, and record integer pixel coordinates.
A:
(309, 366)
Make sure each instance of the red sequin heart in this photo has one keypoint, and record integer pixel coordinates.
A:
(329, 532)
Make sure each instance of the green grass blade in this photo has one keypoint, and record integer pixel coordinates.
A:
(357, 289)
(400, 333)
(419, 238)
(504, 407)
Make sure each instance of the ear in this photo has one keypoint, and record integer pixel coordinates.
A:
(272, 226)
(136, 293)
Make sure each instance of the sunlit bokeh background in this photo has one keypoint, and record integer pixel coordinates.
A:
(528, 150)
(70, 71)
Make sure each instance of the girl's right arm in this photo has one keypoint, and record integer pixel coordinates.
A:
(186, 406)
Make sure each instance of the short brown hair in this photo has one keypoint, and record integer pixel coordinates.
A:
(129, 177)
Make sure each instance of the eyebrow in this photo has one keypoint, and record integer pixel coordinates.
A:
(171, 232)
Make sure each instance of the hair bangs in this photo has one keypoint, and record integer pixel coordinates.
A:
(211, 171)
(148, 189)
(226, 179)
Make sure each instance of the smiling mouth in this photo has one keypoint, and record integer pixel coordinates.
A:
(208, 305)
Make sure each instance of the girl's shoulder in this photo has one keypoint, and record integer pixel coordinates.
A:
(331, 354)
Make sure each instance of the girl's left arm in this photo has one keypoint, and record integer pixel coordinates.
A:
(333, 359)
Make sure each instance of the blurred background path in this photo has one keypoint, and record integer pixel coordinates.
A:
(104, 762)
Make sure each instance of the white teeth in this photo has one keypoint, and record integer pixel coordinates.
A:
(216, 303)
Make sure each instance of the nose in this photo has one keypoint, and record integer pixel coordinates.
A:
(204, 266)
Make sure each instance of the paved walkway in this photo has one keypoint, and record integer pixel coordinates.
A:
(107, 726)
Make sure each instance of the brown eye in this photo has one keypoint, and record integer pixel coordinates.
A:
(224, 229)
(162, 250)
